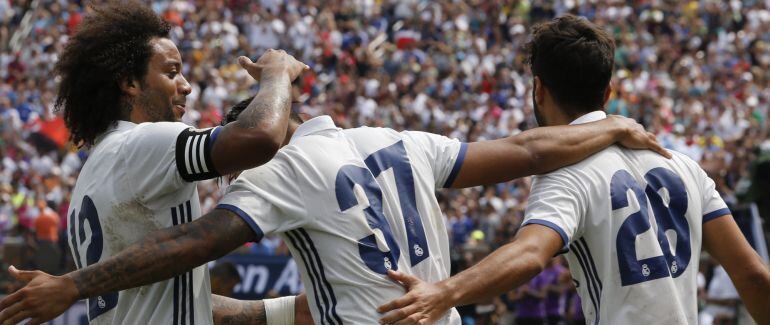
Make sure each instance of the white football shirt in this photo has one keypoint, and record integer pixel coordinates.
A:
(138, 179)
(351, 204)
(632, 221)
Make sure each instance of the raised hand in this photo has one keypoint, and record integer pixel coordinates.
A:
(43, 298)
(273, 61)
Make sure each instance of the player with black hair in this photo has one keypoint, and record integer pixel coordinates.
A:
(631, 222)
(122, 93)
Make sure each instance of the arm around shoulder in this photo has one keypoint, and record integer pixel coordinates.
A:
(544, 149)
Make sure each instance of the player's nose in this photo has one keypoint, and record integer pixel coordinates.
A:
(183, 86)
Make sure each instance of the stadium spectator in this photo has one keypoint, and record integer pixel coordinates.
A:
(48, 256)
(530, 298)
(557, 283)
(721, 300)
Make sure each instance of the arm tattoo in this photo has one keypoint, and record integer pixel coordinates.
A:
(272, 102)
(228, 311)
(164, 254)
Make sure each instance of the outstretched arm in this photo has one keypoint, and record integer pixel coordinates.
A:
(159, 256)
(506, 268)
(544, 149)
(164, 254)
(724, 241)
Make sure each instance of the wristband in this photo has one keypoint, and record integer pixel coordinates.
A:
(280, 311)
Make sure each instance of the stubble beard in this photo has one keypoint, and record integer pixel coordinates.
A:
(156, 106)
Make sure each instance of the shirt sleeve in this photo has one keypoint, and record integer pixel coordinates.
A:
(712, 204)
(165, 156)
(445, 155)
(268, 198)
(557, 203)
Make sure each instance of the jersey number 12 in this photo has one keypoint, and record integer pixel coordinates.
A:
(100, 304)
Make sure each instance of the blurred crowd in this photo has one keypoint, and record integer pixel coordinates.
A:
(695, 73)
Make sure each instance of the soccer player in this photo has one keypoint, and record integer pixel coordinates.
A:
(633, 223)
(350, 204)
(122, 93)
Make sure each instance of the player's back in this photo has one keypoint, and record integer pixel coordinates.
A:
(633, 220)
(108, 213)
(351, 204)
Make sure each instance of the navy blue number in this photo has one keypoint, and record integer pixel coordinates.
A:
(633, 271)
(377, 260)
(668, 217)
(348, 176)
(395, 157)
(100, 304)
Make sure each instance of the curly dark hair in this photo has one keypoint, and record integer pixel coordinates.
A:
(110, 45)
(574, 58)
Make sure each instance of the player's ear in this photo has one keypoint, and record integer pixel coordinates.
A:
(130, 86)
(607, 93)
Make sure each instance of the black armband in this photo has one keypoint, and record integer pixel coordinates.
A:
(193, 154)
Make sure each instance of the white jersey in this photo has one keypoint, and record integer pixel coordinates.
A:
(351, 204)
(129, 187)
(632, 221)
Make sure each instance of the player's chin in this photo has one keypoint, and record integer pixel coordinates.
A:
(178, 111)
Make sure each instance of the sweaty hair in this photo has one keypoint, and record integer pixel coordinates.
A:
(574, 60)
(236, 110)
(112, 44)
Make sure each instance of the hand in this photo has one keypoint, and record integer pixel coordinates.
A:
(636, 137)
(273, 61)
(43, 298)
(424, 303)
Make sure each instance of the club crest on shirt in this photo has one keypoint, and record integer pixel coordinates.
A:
(418, 250)
(100, 302)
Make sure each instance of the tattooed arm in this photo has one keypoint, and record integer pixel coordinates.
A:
(159, 256)
(233, 311)
(258, 132)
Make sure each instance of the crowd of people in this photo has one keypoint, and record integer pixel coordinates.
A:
(696, 73)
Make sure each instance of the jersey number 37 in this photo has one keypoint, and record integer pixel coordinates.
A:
(668, 199)
(349, 176)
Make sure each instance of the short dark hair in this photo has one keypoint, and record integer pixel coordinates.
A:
(225, 270)
(111, 44)
(574, 59)
(238, 108)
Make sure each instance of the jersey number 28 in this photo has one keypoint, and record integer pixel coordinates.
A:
(349, 176)
(668, 198)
